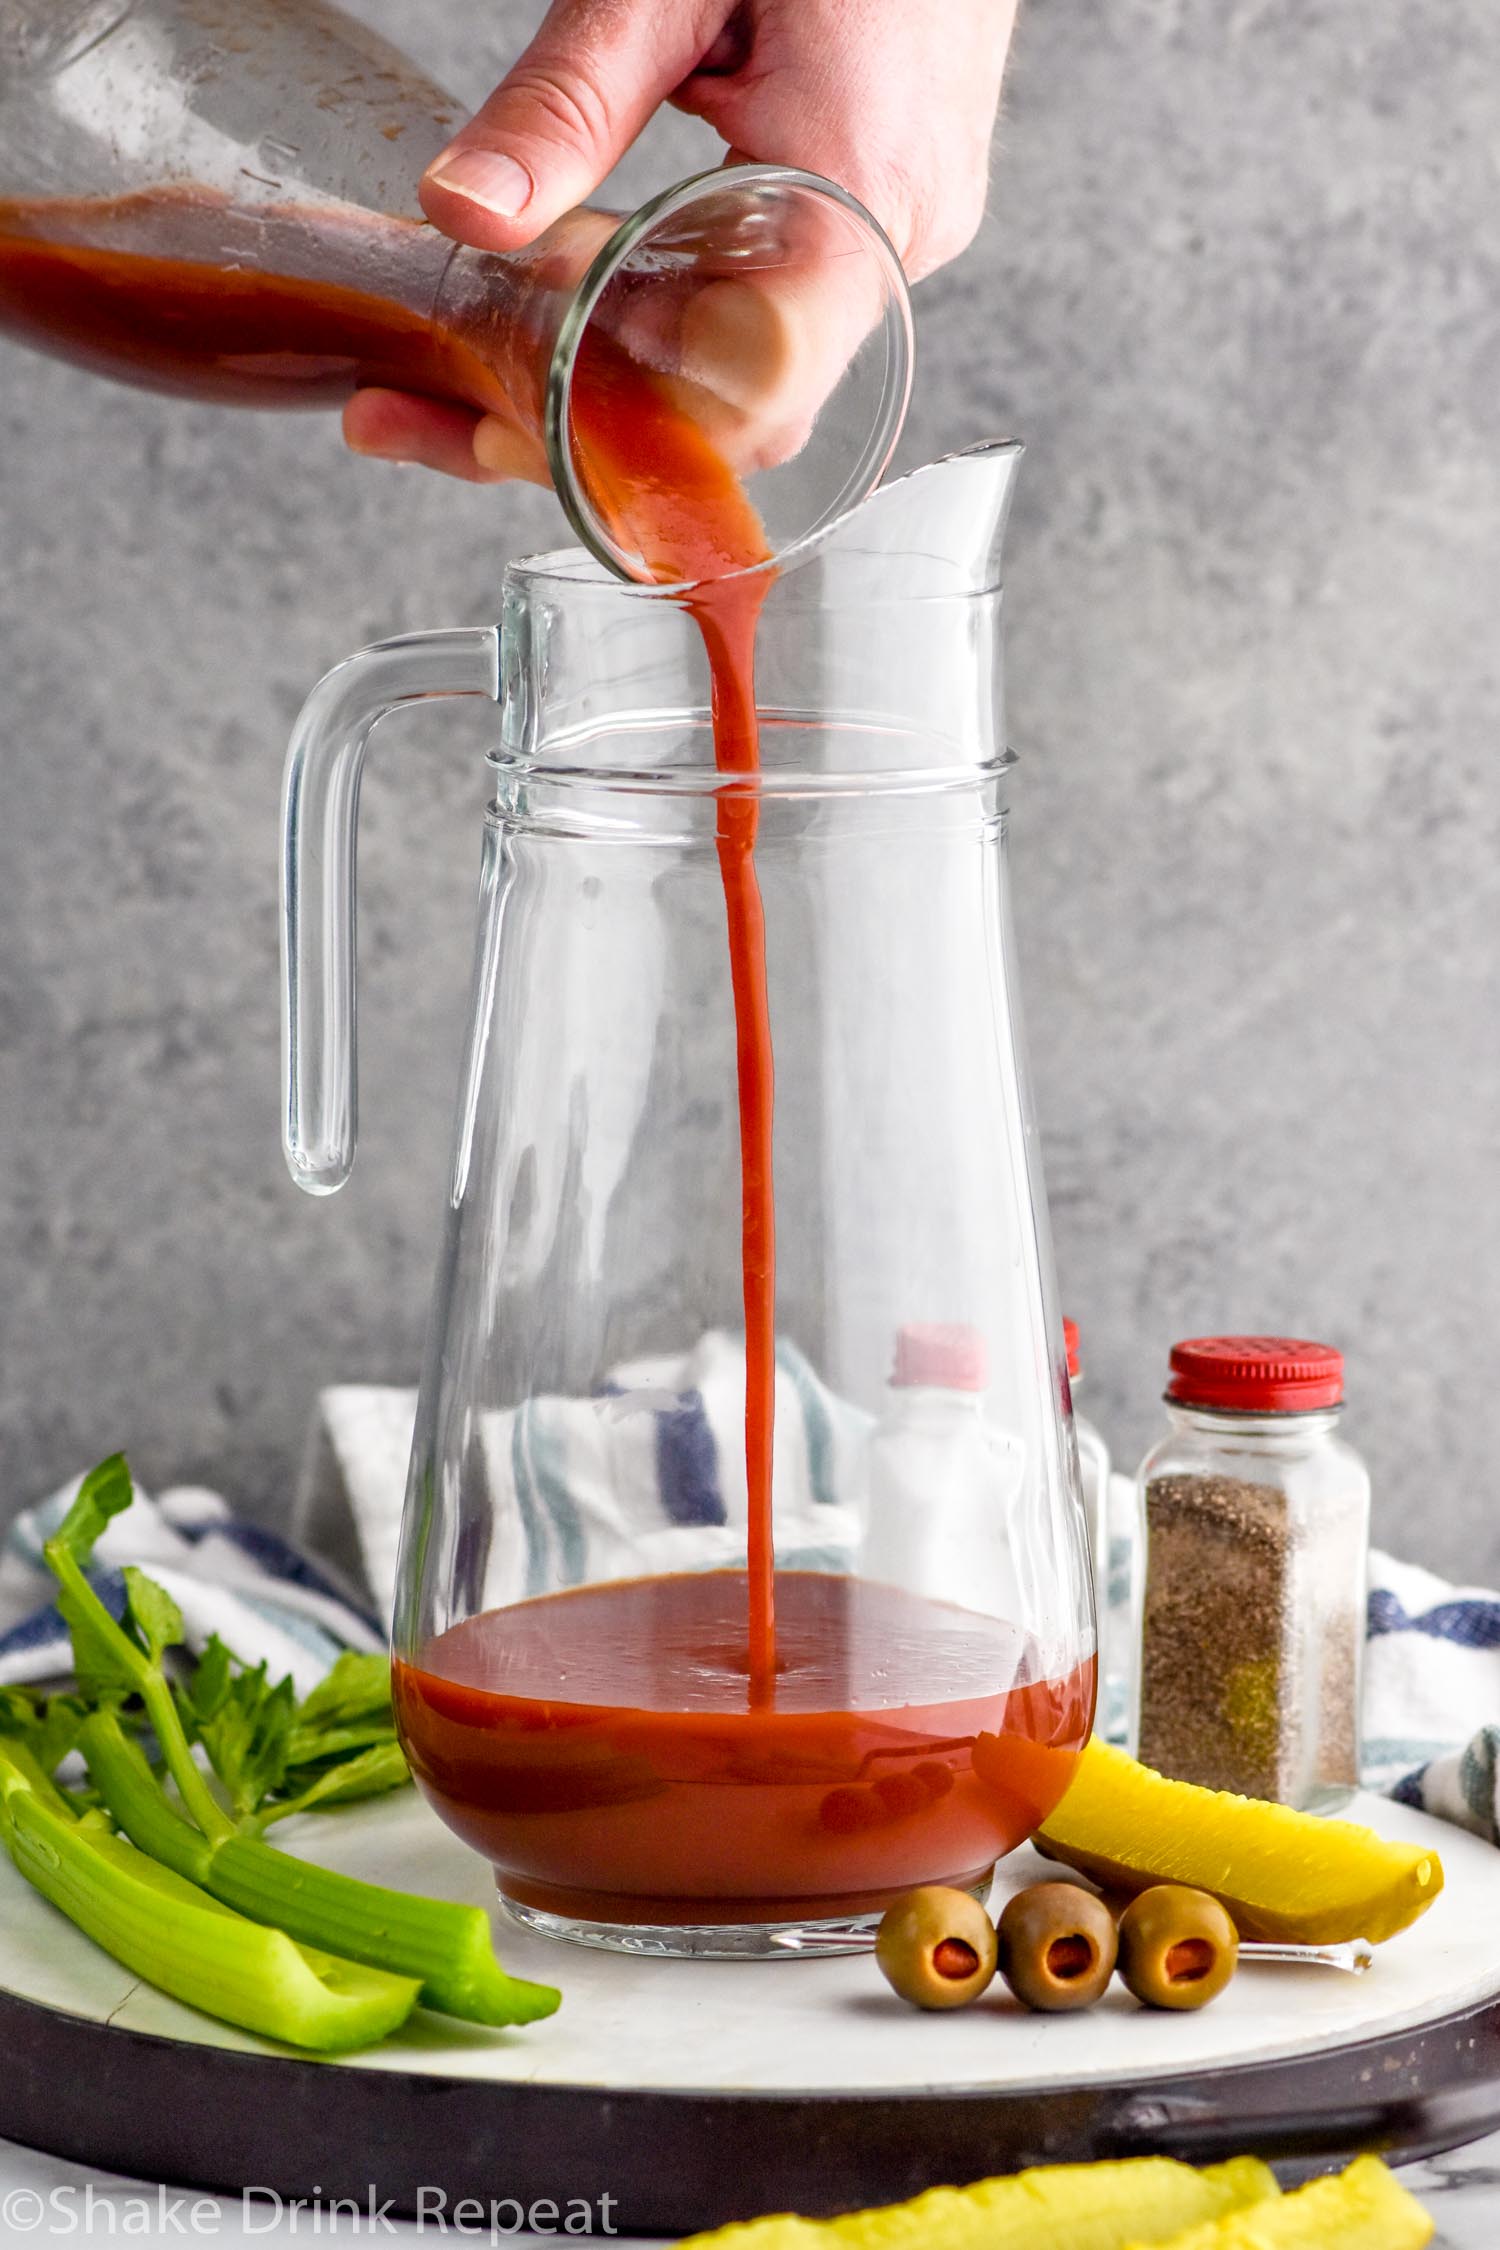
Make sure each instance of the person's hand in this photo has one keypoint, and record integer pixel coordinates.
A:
(893, 99)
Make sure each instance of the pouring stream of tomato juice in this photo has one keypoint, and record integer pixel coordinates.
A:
(663, 488)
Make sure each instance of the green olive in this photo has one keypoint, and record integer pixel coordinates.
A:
(1178, 1947)
(936, 1947)
(1057, 1947)
(901, 1794)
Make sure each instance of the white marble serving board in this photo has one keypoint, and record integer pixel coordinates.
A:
(805, 2025)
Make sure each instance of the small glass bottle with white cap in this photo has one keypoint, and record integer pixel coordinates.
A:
(942, 1475)
(1113, 1549)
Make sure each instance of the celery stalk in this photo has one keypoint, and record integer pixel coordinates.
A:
(40, 1783)
(94, 1630)
(168, 1931)
(445, 1946)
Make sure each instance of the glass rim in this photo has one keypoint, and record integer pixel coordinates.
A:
(582, 573)
(880, 441)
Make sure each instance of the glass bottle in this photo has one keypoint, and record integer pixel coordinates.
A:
(1113, 1547)
(220, 201)
(943, 1475)
(1255, 1518)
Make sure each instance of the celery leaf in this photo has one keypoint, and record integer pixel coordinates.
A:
(106, 1491)
(153, 1613)
(358, 1687)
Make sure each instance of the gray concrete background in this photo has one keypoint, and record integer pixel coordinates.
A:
(1239, 289)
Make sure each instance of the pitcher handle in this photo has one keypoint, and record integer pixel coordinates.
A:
(319, 817)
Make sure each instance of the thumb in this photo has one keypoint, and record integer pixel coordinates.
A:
(564, 115)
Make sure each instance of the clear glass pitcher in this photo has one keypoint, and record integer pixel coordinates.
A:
(576, 1669)
(220, 201)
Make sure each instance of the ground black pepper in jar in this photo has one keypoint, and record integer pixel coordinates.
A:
(1255, 1519)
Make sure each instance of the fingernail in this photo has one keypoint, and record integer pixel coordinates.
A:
(484, 176)
(367, 451)
(371, 450)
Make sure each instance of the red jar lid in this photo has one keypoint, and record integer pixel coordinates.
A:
(1256, 1374)
(1070, 1344)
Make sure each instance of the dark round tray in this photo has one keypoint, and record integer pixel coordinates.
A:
(690, 2094)
(671, 2162)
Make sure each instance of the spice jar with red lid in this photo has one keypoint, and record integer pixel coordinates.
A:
(1255, 1519)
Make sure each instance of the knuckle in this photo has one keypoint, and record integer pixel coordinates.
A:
(944, 220)
(565, 106)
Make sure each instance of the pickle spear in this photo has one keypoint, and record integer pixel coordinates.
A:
(1287, 1877)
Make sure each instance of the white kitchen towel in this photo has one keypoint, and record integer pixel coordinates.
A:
(1432, 1694)
(647, 1475)
(258, 1593)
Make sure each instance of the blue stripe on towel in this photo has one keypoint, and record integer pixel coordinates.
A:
(109, 1585)
(1468, 1624)
(305, 1631)
(1476, 1774)
(549, 1470)
(832, 1560)
(687, 1464)
(41, 1630)
(279, 1559)
(45, 1626)
(816, 1423)
(520, 1469)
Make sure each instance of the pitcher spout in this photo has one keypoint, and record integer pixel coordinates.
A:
(938, 531)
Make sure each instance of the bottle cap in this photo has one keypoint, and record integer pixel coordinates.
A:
(1070, 1345)
(940, 1356)
(1256, 1374)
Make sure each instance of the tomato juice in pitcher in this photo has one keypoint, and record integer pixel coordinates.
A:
(606, 1750)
